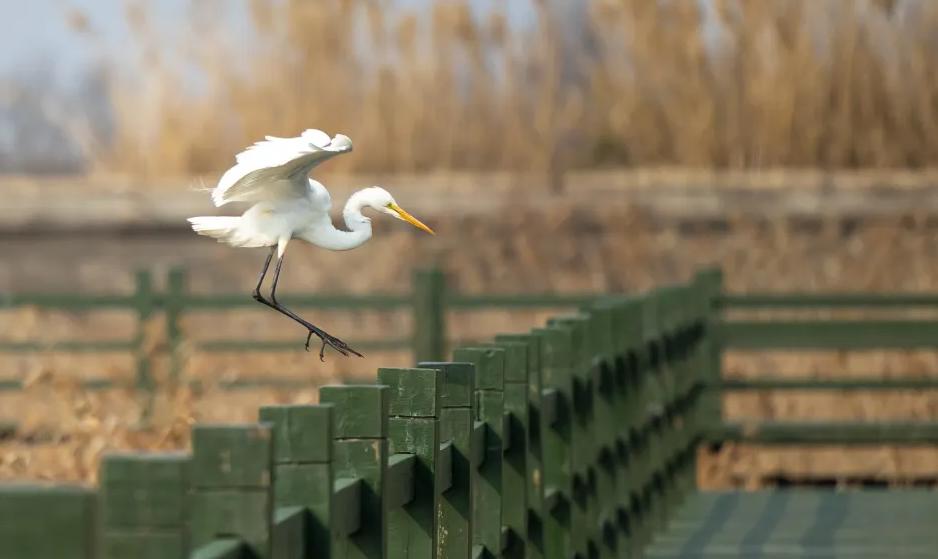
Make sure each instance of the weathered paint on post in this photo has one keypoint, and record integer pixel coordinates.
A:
(231, 493)
(414, 428)
(360, 451)
(487, 487)
(143, 505)
(457, 412)
(514, 465)
(303, 477)
(534, 476)
(68, 526)
(556, 458)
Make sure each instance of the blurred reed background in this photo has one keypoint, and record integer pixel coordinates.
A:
(456, 84)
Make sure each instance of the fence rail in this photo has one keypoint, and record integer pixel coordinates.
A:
(429, 302)
(577, 439)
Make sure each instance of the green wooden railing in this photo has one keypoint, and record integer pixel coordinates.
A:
(898, 322)
(429, 302)
(577, 439)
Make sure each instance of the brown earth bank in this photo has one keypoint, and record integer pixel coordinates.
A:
(564, 246)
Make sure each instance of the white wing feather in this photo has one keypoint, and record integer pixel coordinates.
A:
(277, 168)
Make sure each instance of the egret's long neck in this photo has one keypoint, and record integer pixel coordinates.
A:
(359, 228)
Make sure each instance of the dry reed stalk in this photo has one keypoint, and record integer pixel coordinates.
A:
(741, 84)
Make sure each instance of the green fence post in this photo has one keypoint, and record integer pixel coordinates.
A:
(42, 521)
(143, 505)
(145, 304)
(489, 364)
(429, 315)
(555, 438)
(629, 375)
(360, 452)
(534, 548)
(514, 467)
(231, 488)
(711, 405)
(303, 436)
(600, 339)
(176, 288)
(413, 428)
(457, 413)
(581, 439)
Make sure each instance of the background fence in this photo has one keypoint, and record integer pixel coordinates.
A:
(429, 301)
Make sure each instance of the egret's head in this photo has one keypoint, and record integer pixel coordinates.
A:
(381, 200)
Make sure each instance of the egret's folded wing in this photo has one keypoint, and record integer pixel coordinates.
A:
(272, 169)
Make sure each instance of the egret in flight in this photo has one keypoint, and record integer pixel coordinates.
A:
(273, 175)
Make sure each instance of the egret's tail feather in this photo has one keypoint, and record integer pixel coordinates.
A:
(219, 227)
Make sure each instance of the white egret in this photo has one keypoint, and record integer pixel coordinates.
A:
(273, 175)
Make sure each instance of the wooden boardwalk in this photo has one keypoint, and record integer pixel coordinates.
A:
(803, 524)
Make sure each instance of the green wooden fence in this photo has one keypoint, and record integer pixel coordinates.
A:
(577, 439)
(429, 302)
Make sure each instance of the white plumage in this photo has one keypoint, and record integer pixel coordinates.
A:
(273, 176)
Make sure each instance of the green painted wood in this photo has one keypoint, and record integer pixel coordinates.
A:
(360, 451)
(534, 476)
(519, 300)
(143, 505)
(69, 346)
(288, 533)
(710, 407)
(755, 300)
(555, 439)
(830, 382)
(444, 478)
(223, 548)
(174, 305)
(487, 486)
(577, 365)
(514, 457)
(145, 305)
(303, 478)
(829, 334)
(457, 410)
(89, 384)
(414, 428)
(68, 513)
(66, 301)
(605, 431)
(429, 308)
(231, 474)
(400, 485)
(347, 496)
(909, 433)
(803, 523)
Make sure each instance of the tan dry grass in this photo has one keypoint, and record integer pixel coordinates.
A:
(747, 84)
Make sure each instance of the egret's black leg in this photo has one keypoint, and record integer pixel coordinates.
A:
(257, 289)
(327, 339)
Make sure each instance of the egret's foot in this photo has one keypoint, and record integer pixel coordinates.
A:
(331, 341)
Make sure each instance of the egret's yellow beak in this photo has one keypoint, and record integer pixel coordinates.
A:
(401, 214)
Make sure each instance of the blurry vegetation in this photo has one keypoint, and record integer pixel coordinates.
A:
(709, 83)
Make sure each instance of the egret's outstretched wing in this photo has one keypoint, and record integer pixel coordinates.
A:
(277, 168)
